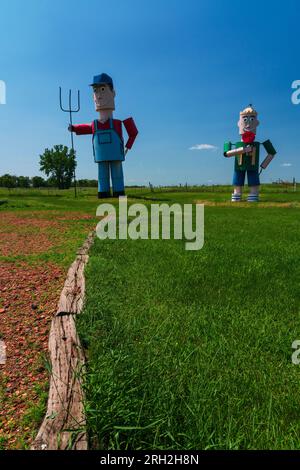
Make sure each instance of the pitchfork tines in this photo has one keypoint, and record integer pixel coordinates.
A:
(70, 110)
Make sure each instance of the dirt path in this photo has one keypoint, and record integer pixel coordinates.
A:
(29, 291)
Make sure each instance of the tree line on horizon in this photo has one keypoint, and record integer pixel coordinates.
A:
(9, 181)
(58, 164)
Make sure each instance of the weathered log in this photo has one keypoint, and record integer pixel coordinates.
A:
(72, 296)
(87, 244)
(2, 353)
(64, 424)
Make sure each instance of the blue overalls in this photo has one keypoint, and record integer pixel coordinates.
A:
(108, 150)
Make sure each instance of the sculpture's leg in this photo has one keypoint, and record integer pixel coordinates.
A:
(117, 178)
(103, 180)
(238, 183)
(253, 183)
(253, 194)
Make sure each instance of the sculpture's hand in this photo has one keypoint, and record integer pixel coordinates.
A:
(70, 128)
(239, 151)
(248, 149)
(266, 161)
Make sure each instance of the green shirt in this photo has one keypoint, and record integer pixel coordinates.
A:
(248, 161)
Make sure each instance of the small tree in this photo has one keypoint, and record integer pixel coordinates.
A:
(8, 181)
(38, 182)
(85, 183)
(60, 164)
(23, 182)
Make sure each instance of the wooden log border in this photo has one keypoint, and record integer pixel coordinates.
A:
(64, 426)
(2, 353)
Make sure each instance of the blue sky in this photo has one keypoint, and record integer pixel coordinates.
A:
(183, 70)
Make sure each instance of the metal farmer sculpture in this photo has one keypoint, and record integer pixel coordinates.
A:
(246, 153)
(108, 144)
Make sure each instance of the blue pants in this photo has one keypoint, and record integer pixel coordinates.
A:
(239, 178)
(114, 168)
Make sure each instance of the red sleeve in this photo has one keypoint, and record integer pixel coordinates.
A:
(118, 127)
(131, 131)
(81, 129)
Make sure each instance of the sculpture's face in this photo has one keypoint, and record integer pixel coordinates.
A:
(104, 97)
(248, 123)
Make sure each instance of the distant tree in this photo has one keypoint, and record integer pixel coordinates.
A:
(82, 183)
(38, 182)
(60, 164)
(51, 182)
(85, 183)
(23, 182)
(8, 181)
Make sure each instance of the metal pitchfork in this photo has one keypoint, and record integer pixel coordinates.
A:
(70, 111)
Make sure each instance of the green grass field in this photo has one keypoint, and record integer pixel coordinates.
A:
(49, 198)
(191, 350)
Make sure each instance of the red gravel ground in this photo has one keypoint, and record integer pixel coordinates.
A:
(33, 233)
(29, 292)
(29, 296)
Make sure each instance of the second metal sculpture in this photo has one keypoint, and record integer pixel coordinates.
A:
(246, 153)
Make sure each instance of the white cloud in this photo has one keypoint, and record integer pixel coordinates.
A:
(286, 164)
(203, 147)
